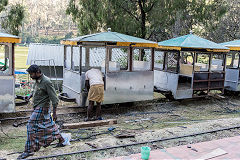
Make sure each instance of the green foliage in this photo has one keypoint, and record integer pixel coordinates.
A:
(122, 62)
(204, 59)
(14, 19)
(27, 38)
(68, 35)
(152, 19)
(159, 61)
(47, 39)
(22, 91)
(3, 4)
(228, 27)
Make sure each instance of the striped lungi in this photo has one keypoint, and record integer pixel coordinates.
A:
(96, 93)
(41, 129)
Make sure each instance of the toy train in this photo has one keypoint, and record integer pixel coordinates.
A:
(180, 68)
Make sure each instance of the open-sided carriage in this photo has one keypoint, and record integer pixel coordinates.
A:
(189, 66)
(232, 78)
(125, 61)
(7, 80)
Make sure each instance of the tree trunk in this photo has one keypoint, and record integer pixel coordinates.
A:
(141, 4)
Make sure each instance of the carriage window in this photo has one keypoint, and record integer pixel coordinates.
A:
(93, 57)
(141, 59)
(186, 63)
(118, 59)
(158, 60)
(67, 60)
(217, 62)
(186, 58)
(171, 61)
(76, 59)
(202, 62)
(4, 60)
(232, 60)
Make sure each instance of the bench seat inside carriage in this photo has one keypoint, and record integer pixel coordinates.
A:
(202, 79)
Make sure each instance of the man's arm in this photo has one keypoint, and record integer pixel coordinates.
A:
(87, 85)
(31, 94)
(53, 97)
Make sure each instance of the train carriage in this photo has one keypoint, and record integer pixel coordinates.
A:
(232, 78)
(125, 61)
(189, 66)
(7, 80)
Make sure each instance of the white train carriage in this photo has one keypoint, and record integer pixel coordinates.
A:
(7, 80)
(125, 61)
(189, 66)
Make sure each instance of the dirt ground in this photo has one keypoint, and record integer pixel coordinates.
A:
(150, 120)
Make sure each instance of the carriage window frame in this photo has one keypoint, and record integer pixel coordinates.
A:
(148, 57)
(78, 56)
(7, 56)
(208, 61)
(166, 68)
(156, 59)
(68, 63)
(222, 58)
(67, 58)
(119, 60)
(238, 62)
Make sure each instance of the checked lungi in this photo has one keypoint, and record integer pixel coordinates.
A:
(41, 129)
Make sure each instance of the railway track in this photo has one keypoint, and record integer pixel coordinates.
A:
(71, 110)
(137, 143)
(127, 112)
(68, 110)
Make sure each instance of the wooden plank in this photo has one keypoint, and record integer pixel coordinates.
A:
(89, 124)
(187, 69)
(216, 96)
(125, 135)
(215, 153)
(92, 145)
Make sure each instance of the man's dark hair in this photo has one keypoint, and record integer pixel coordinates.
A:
(34, 69)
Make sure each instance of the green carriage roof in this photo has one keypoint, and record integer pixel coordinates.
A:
(191, 41)
(233, 45)
(8, 38)
(111, 37)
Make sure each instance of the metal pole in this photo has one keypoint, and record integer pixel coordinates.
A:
(152, 56)
(13, 59)
(55, 74)
(178, 62)
(107, 61)
(87, 57)
(130, 59)
(72, 65)
(49, 66)
(80, 60)
(64, 54)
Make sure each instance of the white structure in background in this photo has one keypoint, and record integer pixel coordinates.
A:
(48, 57)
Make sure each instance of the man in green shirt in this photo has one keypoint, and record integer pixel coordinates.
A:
(41, 128)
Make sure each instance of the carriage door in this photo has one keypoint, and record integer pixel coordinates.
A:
(7, 82)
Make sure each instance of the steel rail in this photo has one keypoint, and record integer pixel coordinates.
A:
(132, 144)
(84, 110)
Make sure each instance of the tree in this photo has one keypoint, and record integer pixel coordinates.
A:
(12, 18)
(3, 4)
(149, 19)
(228, 27)
(45, 19)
